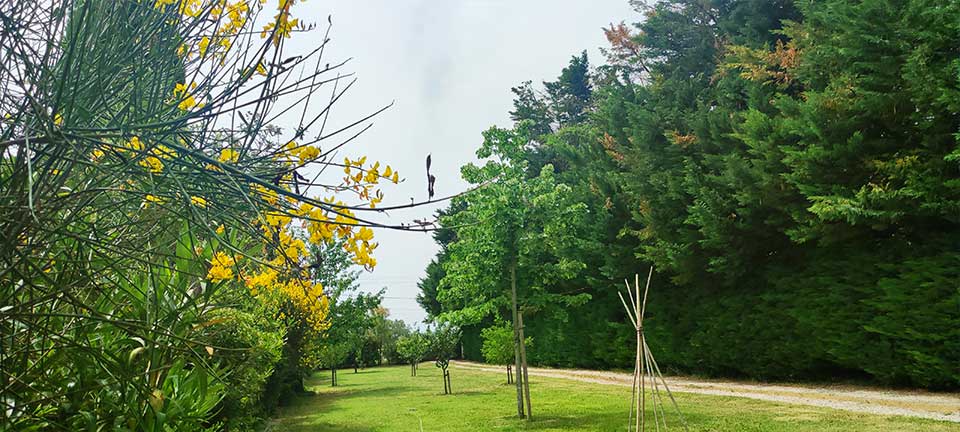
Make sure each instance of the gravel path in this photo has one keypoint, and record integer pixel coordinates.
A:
(937, 406)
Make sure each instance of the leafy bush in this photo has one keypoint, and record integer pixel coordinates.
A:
(248, 349)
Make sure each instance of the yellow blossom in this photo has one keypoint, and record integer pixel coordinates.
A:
(308, 153)
(187, 100)
(221, 267)
(277, 219)
(135, 144)
(198, 201)
(190, 8)
(229, 155)
(162, 4)
(152, 164)
(371, 177)
(187, 103)
(268, 195)
(162, 151)
(202, 46)
(365, 234)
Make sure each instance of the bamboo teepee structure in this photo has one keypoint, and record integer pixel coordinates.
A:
(646, 372)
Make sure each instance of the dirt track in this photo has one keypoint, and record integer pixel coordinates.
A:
(937, 406)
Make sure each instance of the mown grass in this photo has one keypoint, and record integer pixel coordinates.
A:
(389, 399)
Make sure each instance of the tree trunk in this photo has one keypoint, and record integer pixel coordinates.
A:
(523, 360)
(509, 375)
(446, 381)
(516, 339)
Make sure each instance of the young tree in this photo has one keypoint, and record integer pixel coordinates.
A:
(430, 284)
(331, 356)
(507, 257)
(352, 313)
(498, 346)
(444, 342)
(413, 348)
(383, 334)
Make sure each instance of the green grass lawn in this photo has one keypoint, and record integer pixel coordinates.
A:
(389, 399)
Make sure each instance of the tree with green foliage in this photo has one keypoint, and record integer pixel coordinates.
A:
(774, 181)
(413, 348)
(430, 284)
(352, 313)
(383, 334)
(444, 342)
(792, 168)
(516, 240)
(331, 355)
(563, 102)
(498, 346)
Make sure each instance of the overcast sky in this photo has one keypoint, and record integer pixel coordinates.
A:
(448, 66)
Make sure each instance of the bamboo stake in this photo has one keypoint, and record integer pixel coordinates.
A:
(658, 416)
(670, 394)
(523, 360)
(633, 387)
(645, 365)
(642, 410)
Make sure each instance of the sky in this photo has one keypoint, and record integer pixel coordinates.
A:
(448, 67)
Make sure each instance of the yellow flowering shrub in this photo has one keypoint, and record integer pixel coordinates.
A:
(158, 169)
(277, 273)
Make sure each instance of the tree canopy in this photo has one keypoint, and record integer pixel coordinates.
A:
(790, 168)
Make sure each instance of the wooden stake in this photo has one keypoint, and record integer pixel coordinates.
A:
(518, 379)
(523, 361)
